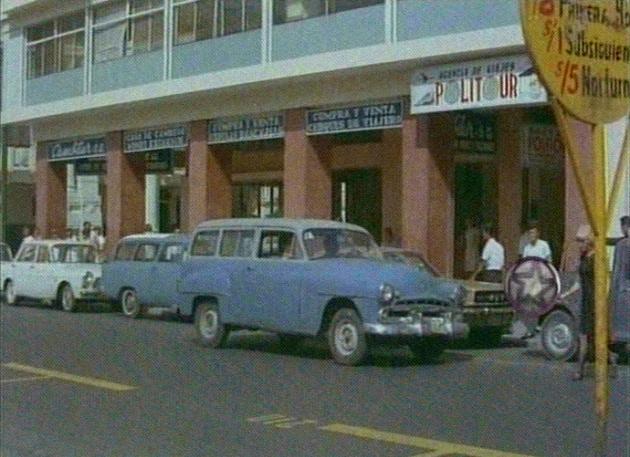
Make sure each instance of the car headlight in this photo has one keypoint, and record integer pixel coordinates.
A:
(387, 294)
(88, 280)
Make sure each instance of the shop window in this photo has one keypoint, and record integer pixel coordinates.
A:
(55, 46)
(279, 245)
(127, 28)
(257, 200)
(237, 243)
(198, 20)
(296, 10)
(205, 244)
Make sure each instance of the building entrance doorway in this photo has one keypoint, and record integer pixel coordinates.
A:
(475, 204)
(357, 199)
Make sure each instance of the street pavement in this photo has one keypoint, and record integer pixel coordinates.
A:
(94, 383)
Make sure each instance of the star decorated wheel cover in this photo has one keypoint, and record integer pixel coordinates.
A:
(532, 287)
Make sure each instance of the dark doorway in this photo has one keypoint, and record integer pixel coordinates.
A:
(357, 199)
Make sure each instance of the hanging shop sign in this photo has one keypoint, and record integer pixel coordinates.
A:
(582, 53)
(173, 137)
(485, 83)
(77, 149)
(372, 116)
(541, 145)
(245, 128)
(158, 161)
(475, 133)
(88, 167)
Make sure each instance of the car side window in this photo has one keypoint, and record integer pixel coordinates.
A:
(146, 252)
(43, 254)
(237, 243)
(205, 243)
(172, 253)
(125, 251)
(278, 244)
(5, 254)
(28, 253)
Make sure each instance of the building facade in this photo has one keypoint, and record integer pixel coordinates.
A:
(411, 118)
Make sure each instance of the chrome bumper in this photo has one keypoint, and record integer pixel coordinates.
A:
(423, 326)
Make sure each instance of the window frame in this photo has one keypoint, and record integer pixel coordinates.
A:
(216, 247)
(328, 10)
(56, 39)
(142, 244)
(128, 21)
(165, 246)
(40, 250)
(19, 258)
(132, 244)
(255, 235)
(298, 248)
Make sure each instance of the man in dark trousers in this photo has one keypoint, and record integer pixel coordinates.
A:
(620, 288)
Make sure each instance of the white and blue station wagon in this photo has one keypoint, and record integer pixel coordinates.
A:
(313, 277)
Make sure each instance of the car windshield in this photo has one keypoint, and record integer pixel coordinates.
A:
(339, 243)
(73, 253)
(409, 258)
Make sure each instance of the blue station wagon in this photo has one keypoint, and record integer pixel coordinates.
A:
(313, 277)
(144, 272)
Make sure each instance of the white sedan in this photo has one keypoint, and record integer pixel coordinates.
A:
(55, 272)
(5, 264)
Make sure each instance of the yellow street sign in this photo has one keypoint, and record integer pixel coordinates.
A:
(581, 51)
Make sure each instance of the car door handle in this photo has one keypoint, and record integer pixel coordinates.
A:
(249, 268)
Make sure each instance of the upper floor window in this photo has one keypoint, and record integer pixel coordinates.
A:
(128, 27)
(56, 45)
(197, 20)
(297, 10)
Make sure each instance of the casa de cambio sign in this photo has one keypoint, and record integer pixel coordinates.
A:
(484, 83)
(582, 53)
(173, 137)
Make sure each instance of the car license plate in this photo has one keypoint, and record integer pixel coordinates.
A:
(437, 325)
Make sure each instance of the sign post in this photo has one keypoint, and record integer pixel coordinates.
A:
(581, 50)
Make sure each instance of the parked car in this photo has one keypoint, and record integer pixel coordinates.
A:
(6, 258)
(144, 272)
(303, 278)
(486, 308)
(55, 272)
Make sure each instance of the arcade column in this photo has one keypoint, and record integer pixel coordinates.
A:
(307, 176)
(125, 191)
(427, 205)
(50, 195)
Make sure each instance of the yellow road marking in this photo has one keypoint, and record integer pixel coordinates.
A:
(28, 378)
(439, 447)
(70, 377)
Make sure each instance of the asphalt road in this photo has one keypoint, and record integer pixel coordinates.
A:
(96, 384)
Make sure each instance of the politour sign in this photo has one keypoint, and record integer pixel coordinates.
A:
(501, 81)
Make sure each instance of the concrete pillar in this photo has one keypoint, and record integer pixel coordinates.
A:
(441, 234)
(125, 191)
(510, 181)
(50, 194)
(415, 192)
(152, 201)
(219, 184)
(196, 192)
(391, 186)
(307, 176)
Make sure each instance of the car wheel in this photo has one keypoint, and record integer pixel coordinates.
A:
(66, 299)
(211, 332)
(9, 294)
(427, 349)
(346, 338)
(129, 304)
(559, 336)
(290, 342)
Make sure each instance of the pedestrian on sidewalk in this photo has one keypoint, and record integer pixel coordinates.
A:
(27, 236)
(87, 229)
(620, 289)
(472, 243)
(535, 247)
(492, 261)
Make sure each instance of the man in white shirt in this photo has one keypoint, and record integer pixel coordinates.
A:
(492, 258)
(537, 247)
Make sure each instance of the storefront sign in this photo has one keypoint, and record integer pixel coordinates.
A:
(251, 128)
(582, 51)
(480, 84)
(175, 137)
(77, 149)
(88, 167)
(159, 161)
(542, 146)
(371, 116)
(475, 133)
